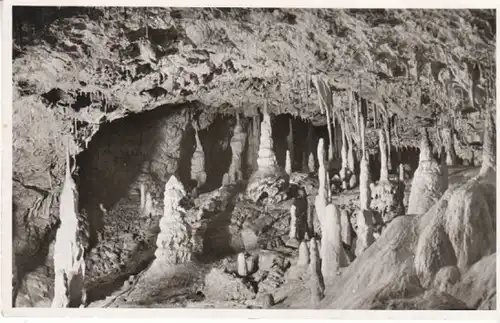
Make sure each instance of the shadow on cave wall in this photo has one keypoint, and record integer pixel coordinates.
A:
(114, 158)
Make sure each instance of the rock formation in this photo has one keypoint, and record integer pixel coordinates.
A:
(364, 231)
(288, 163)
(303, 254)
(174, 242)
(332, 252)
(322, 197)
(387, 197)
(242, 265)
(427, 184)
(444, 170)
(384, 171)
(488, 164)
(70, 246)
(346, 229)
(449, 142)
(316, 283)
(237, 146)
(198, 163)
(310, 164)
(269, 181)
(293, 223)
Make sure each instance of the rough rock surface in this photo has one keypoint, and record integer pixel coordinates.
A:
(79, 72)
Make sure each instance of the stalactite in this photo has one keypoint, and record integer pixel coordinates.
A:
(324, 97)
(343, 153)
(311, 164)
(290, 143)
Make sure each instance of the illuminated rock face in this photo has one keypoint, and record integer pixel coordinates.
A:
(427, 184)
(71, 242)
(175, 240)
(269, 183)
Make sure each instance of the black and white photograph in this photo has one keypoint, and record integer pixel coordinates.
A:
(251, 158)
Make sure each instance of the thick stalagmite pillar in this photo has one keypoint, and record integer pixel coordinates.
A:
(333, 255)
(174, 242)
(266, 158)
(427, 184)
(70, 246)
(269, 182)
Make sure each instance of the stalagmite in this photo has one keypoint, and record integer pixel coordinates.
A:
(489, 145)
(310, 163)
(387, 132)
(332, 252)
(198, 163)
(288, 163)
(148, 205)
(316, 283)
(270, 180)
(401, 173)
(174, 242)
(242, 265)
(238, 140)
(322, 196)
(266, 158)
(427, 184)
(451, 155)
(253, 144)
(350, 152)
(303, 254)
(444, 169)
(387, 197)
(384, 172)
(267, 301)
(345, 225)
(364, 231)
(364, 184)
(143, 196)
(72, 239)
(293, 223)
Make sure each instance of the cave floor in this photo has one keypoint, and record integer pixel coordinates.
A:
(177, 286)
